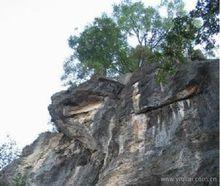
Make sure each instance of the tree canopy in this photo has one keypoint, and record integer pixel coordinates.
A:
(136, 20)
(100, 45)
(208, 11)
(103, 47)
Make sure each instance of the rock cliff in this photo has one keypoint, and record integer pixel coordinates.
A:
(140, 133)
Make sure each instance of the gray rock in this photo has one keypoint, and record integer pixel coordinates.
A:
(125, 78)
(141, 134)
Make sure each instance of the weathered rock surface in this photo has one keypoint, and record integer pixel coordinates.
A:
(140, 133)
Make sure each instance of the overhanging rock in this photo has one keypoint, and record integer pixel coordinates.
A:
(141, 133)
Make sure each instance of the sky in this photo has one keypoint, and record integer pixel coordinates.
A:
(33, 46)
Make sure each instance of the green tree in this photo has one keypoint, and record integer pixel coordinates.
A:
(145, 24)
(174, 8)
(186, 32)
(208, 11)
(100, 48)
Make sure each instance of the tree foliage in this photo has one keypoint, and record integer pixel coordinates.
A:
(208, 11)
(8, 152)
(188, 27)
(187, 31)
(143, 23)
(103, 48)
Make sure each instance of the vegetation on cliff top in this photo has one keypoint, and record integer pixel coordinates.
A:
(103, 47)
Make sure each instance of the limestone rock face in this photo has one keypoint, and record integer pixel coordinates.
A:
(140, 133)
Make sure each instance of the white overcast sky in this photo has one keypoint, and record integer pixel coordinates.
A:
(33, 46)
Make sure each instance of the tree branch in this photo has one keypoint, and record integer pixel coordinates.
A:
(137, 32)
(159, 40)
